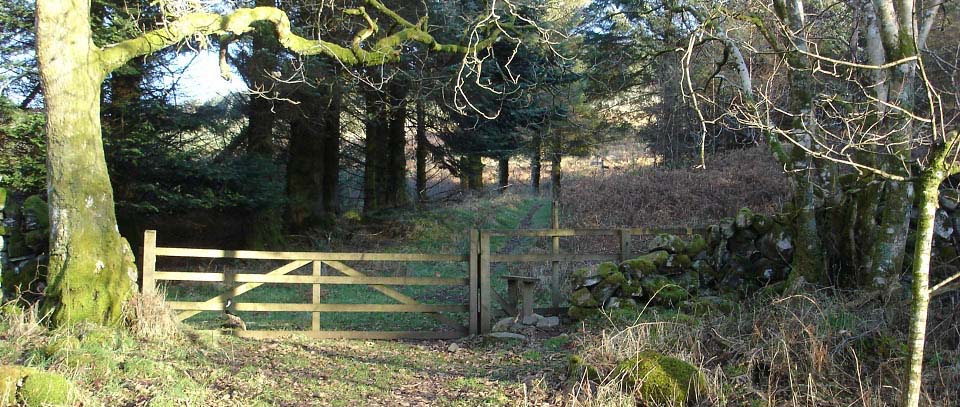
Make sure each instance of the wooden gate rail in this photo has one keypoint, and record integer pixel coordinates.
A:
(298, 260)
(624, 236)
(478, 259)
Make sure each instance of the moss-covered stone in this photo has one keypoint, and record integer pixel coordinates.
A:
(727, 228)
(581, 313)
(631, 289)
(606, 269)
(744, 218)
(656, 379)
(696, 246)
(34, 212)
(29, 387)
(47, 389)
(3, 199)
(579, 369)
(662, 290)
(761, 224)
(671, 243)
(638, 267)
(583, 298)
(10, 380)
(678, 262)
(657, 257)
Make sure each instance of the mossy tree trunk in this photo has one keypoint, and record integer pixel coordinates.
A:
(941, 165)
(92, 270)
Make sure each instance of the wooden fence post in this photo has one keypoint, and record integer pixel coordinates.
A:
(624, 235)
(148, 283)
(315, 317)
(555, 265)
(486, 294)
(474, 270)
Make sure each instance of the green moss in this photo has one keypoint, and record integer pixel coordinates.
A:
(61, 345)
(638, 267)
(34, 207)
(668, 242)
(657, 257)
(663, 290)
(744, 218)
(583, 298)
(10, 378)
(606, 269)
(697, 245)
(30, 387)
(47, 389)
(615, 278)
(661, 380)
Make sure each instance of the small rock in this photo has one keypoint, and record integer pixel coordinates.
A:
(531, 319)
(453, 347)
(504, 324)
(548, 322)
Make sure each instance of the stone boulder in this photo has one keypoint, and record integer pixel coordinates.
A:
(659, 380)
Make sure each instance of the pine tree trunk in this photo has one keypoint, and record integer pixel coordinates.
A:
(473, 168)
(421, 152)
(331, 153)
(265, 227)
(92, 271)
(305, 173)
(395, 187)
(503, 174)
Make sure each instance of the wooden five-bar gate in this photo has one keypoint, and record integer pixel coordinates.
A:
(478, 305)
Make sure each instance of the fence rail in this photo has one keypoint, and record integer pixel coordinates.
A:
(478, 305)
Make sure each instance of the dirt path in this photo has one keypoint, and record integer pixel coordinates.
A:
(300, 372)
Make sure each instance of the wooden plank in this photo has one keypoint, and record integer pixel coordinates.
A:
(287, 307)
(550, 232)
(148, 285)
(392, 293)
(367, 335)
(287, 279)
(507, 258)
(315, 295)
(265, 255)
(242, 288)
(485, 315)
(474, 281)
(593, 232)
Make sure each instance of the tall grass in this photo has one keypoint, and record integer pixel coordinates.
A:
(801, 350)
